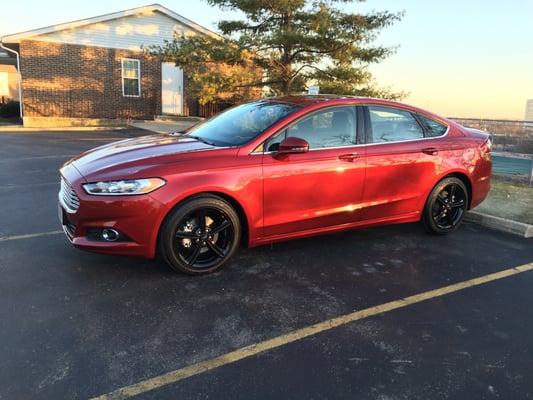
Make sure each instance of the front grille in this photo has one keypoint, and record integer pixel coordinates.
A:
(68, 196)
(70, 227)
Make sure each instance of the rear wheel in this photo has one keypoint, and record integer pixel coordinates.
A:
(200, 235)
(446, 206)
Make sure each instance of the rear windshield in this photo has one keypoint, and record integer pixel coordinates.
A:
(240, 124)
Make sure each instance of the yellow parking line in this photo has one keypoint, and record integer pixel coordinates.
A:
(254, 349)
(28, 236)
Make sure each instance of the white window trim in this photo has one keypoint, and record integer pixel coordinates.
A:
(138, 75)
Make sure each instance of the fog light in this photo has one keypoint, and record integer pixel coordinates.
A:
(110, 235)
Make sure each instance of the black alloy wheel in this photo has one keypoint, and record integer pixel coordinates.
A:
(446, 206)
(199, 236)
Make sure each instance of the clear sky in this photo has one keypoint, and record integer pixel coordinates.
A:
(461, 58)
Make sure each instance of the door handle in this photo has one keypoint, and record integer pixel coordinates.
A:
(432, 151)
(348, 157)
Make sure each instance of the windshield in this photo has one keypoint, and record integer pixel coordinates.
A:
(241, 124)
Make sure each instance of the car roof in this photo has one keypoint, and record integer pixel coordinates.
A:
(307, 100)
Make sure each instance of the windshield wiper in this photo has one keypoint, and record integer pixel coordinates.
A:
(203, 140)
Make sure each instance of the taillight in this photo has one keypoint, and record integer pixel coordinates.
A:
(487, 146)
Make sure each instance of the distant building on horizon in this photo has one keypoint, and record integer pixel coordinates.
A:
(529, 110)
(529, 115)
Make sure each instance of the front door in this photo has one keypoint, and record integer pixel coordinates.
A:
(171, 89)
(320, 188)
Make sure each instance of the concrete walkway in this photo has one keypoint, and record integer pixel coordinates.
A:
(19, 128)
(157, 126)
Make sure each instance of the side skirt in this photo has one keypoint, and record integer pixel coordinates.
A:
(398, 219)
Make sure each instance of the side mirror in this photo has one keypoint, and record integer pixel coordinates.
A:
(292, 145)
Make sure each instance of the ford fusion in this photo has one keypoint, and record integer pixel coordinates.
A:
(272, 170)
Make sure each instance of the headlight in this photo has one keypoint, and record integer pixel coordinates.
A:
(125, 187)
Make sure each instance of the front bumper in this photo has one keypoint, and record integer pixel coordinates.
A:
(136, 217)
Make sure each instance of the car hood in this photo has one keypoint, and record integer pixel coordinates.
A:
(153, 149)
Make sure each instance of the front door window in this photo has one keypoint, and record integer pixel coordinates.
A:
(333, 127)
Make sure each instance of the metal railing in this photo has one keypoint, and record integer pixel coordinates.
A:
(514, 136)
(499, 126)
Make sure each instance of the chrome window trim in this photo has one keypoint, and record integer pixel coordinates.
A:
(411, 140)
(365, 144)
(254, 152)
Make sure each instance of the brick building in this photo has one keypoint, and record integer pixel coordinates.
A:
(94, 71)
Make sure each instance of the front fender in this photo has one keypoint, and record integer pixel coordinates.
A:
(245, 188)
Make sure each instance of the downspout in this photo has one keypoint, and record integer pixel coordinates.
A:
(19, 75)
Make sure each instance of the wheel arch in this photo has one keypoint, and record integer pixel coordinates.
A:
(463, 176)
(239, 209)
(465, 179)
(243, 217)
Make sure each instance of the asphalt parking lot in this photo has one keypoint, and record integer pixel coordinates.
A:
(78, 325)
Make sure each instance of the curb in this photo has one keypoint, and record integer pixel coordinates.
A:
(500, 224)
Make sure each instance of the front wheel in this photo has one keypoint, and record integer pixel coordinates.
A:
(446, 206)
(200, 235)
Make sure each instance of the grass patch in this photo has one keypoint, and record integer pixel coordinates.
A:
(509, 200)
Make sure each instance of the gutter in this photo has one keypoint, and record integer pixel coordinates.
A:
(19, 76)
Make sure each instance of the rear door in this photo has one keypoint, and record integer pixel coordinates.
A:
(402, 162)
(322, 187)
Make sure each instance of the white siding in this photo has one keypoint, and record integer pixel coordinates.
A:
(129, 33)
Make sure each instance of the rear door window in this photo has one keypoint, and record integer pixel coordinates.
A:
(433, 128)
(393, 125)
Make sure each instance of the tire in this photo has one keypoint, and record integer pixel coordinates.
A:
(445, 207)
(187, 245)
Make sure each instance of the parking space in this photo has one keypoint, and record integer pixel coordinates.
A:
(467, 346)
(79, 325)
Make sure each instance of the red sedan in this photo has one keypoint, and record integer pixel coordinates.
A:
(271, 170)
